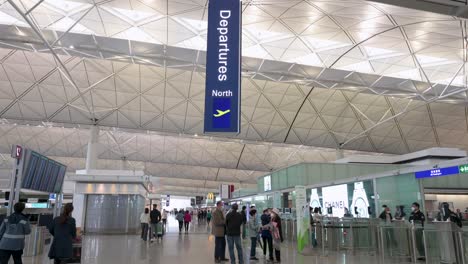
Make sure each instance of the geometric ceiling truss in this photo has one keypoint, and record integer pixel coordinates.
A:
(317, 76)
(198, 164)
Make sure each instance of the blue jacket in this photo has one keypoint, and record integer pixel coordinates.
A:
(13, 231)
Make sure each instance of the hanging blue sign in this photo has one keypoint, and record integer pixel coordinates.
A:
(223, 67)
(437, 172)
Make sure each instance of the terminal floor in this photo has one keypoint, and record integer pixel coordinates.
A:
(193, 247)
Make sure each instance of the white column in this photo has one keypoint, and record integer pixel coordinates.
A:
(339, 154)
(92, 152)
(124, 164)
(78, 211)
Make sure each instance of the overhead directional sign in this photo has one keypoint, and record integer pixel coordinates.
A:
(223, 67)
(437, 172)
(463, 168)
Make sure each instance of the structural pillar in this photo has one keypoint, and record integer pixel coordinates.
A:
(124, 164)
(80, 200)
(92, 152)
(339, 154)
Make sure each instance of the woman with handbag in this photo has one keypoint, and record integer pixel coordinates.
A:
(277, 233)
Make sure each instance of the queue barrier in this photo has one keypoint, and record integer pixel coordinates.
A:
(289, 229)
(335, 234)
(399, 241)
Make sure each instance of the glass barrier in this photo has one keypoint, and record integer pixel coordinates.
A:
(395, 240)
(353, 235)
(442, 243)
(398, 241)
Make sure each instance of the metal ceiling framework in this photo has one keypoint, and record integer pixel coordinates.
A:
(317, 75)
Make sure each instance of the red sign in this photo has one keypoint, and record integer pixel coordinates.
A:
(16, 152)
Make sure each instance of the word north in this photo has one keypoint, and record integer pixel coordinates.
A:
(216, 93)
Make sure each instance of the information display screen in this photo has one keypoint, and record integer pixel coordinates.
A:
(42, 174)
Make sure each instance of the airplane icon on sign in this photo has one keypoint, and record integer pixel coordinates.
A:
(221, 113)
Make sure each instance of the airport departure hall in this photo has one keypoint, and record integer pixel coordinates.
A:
(227, 131)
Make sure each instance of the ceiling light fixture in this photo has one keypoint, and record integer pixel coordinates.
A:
(71, 47)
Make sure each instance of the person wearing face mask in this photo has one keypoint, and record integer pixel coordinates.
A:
(400, 212)
(446, 214)
(417, 217)
(386, 215)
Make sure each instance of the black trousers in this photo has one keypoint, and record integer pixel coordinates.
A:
(181, 224)
(187, 226)
(278, 255)
(6, 254)
(220, 248)
(268, 241)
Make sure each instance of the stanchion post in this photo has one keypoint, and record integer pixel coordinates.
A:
(425, 246)
(461, 247)
(413, 243)
(323, 239)
(17, 152)
(382, 242)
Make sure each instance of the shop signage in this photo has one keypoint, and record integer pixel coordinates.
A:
(210, 196)
(437, 172)
(463, 168)
(336, 198)
(223, 67)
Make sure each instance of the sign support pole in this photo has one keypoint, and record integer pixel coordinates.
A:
(16, 176)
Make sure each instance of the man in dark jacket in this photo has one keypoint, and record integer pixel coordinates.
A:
(155, 218)
(234, 221)
(12, 234)
(418, 218)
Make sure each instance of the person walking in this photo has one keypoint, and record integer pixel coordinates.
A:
(254, 227)
(63, 229)
(144, 220)
(187, 220)
(164, 218)
(277, 233)
(12, 232)
(266, 234)
(155, 219)
(208, 217)
(180, 219)
(234, 221)
(219, 231)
